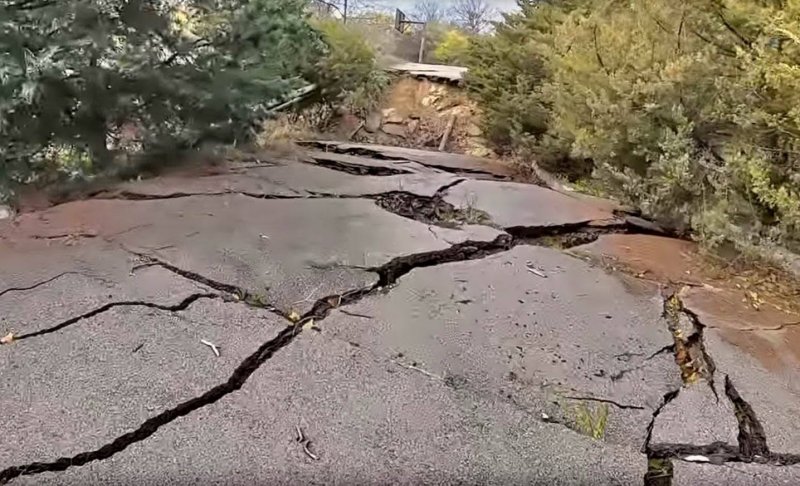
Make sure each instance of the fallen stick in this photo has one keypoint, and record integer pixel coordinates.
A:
(447, 132)
(358, 129)
(417, 369)
(212, 346)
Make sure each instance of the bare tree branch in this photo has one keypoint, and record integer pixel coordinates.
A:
(429, 11)
(473, 15)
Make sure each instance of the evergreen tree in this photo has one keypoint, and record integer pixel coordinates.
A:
(74, 74)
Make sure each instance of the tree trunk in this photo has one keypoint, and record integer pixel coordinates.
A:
(96, 140)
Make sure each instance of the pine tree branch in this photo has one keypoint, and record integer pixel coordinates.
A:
(30, 4)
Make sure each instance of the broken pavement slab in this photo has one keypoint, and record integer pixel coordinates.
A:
(69, 282)
(311, 179)
(283, 179)
(434, 72)
(369, 421)
(74, 390)
(755, 387)
(287, 253)
(733, 474)
(465, 165)
(546, 344)
(516, 205)
(696, 416)
(773, 396)
(364, 166)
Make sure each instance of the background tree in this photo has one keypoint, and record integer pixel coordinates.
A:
(473, 15)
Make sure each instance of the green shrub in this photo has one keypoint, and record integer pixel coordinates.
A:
(688, 110)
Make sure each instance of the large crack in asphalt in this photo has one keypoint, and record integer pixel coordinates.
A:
(140, 196)
(151, 425)
(752, 438)
(37, 284)
(233, 292)
(430, 210)
(690, 351)
(353, 169)
(180, 306)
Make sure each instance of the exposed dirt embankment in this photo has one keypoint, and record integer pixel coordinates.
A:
(418, 113)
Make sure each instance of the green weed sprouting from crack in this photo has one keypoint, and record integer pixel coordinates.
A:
(470, 214)
(591, 421)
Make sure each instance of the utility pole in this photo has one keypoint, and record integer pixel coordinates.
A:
(422, 43)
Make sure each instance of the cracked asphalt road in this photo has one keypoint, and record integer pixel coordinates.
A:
(417, 316)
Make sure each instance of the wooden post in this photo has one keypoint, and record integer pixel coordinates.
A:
(344, 14)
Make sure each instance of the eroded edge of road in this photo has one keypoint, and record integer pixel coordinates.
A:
(697, 367)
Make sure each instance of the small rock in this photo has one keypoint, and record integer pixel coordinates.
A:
(373, 122)
(394, 129)
(479, 152)
(6, 212)
(474, 130)
(429, 100)
(390, 115)
(413, 125)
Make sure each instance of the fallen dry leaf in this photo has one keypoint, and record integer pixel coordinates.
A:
(294, 316)
(7, 339)
(309, 325)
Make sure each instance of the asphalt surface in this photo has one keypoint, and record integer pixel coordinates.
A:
(186, 329)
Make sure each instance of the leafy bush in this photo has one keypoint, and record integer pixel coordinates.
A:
(349, 72)
(687, 110)
(452, 48)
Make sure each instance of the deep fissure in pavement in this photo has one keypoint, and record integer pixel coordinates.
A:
(659, 469)
(355, 169)
(696, 364)
(659, 472)
(379, 155)
(234, 292)
(429, 210)
(752, 439)
(357, 151)
(690, 351)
